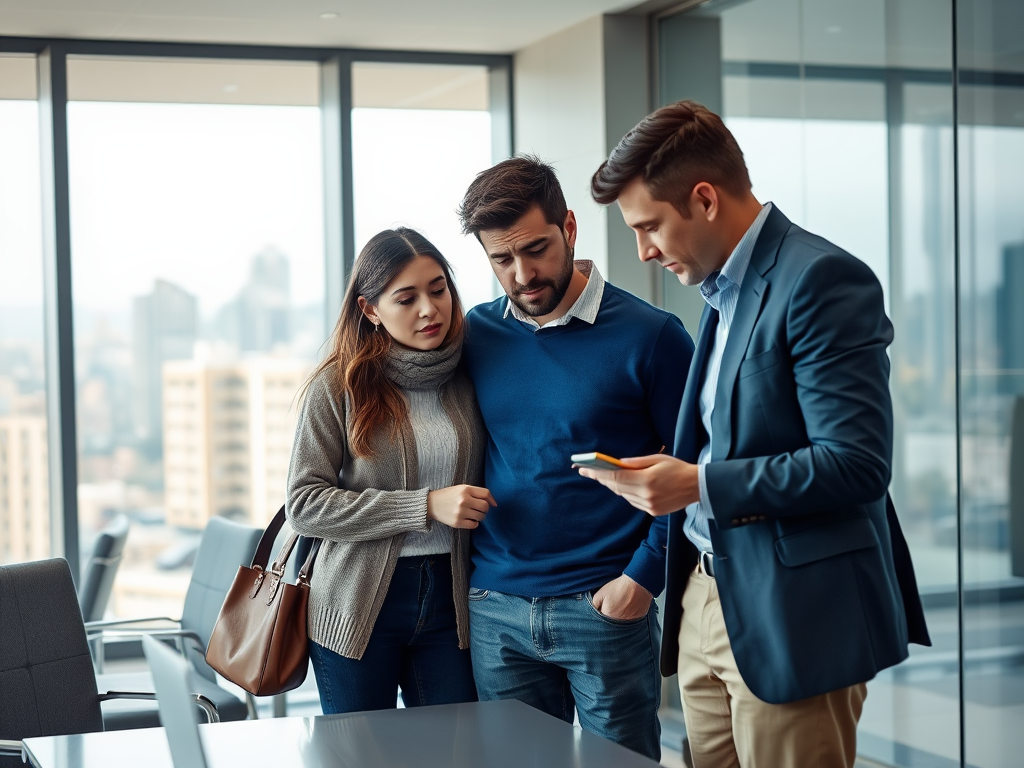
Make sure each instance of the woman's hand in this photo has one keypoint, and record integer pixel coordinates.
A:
(460, 506)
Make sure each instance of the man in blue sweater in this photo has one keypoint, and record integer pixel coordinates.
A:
(562, 612)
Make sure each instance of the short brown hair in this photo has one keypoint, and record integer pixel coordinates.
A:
(499, 196)
(673, 150)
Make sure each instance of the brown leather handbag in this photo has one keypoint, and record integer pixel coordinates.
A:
(259, 641)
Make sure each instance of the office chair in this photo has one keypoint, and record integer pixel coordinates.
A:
(172, 677)
(101, 568)
(46, 672)
(223, 547)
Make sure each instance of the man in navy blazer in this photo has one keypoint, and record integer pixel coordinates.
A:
(789, 581)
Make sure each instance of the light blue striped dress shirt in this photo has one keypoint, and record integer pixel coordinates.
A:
(721, 290)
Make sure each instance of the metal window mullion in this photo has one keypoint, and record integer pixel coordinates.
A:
(500, 105)
(59, 334)
(958, 382)
(339, 208)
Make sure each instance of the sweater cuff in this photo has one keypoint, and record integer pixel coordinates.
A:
(421, 511)
(647, 570)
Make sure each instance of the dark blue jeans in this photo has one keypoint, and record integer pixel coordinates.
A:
(560, 654)
(414, 646)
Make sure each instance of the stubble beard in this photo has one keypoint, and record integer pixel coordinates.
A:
(559, 286)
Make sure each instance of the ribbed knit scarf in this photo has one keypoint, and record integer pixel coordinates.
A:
(419, 369)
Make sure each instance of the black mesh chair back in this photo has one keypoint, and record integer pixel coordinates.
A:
(101, 568)
(46, 676)
(225, 545)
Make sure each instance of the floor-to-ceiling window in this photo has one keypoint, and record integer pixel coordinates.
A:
(24, 473)
(185, 221)
(867, 123)
(420, 133)
(197, 242)
(990, 134)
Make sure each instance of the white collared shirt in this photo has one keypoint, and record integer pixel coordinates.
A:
(585, 307)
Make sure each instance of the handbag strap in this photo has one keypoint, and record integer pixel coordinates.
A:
(262, 556)
(286, 552)
(306, 572)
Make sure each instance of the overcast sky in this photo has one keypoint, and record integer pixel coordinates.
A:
(189, 193)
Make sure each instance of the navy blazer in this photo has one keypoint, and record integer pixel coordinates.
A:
(814, 576)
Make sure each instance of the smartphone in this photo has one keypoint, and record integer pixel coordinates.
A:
(596, 461)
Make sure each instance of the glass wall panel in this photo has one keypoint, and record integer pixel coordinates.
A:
(420, 133)
(844, 111)
(24, 490)
(990, 128)
(198, 264)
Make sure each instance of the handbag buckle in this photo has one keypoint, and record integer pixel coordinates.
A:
(275, 583)
(259, 582)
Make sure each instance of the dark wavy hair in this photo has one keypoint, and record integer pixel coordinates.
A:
(358, 354)
(499, 196)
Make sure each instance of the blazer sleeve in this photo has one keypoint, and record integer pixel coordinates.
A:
(837, 334)
(316, 505)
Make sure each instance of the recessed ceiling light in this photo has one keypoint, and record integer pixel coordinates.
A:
(328, 16)
(230, 89)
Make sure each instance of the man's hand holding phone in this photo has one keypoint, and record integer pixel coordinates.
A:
(656, 484)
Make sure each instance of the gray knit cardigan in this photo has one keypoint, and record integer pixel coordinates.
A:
(362, 508)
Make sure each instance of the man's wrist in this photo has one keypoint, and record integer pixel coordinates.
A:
(646, 574)
(633, 582)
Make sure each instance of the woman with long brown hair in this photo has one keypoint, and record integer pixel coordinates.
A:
(387, 456)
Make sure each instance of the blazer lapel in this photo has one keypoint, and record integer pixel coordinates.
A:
(688, 424)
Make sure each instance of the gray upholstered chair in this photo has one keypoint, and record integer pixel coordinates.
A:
(224, 546)
(46, 674)
(173, 679)
(101, 568)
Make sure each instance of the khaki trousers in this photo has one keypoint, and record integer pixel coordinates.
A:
(728, 726)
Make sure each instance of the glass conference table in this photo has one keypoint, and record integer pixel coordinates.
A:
(490, 734)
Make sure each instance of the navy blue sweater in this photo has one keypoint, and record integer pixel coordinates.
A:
(615, 387)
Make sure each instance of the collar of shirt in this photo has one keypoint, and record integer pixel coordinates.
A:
(735, 267)
(585, 307)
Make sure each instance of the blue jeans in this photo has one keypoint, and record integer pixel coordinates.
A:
(414, 645)
(557, 653)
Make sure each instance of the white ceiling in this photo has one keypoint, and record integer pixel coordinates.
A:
(486, 26)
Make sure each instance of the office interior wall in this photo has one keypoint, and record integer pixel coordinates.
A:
(576, 94)
(627, 101)
(559, 116)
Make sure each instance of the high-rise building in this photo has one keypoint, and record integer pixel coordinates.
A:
(228, 431)
(164, 328)
(1010, 318)
(24, 504)
(258, 319)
